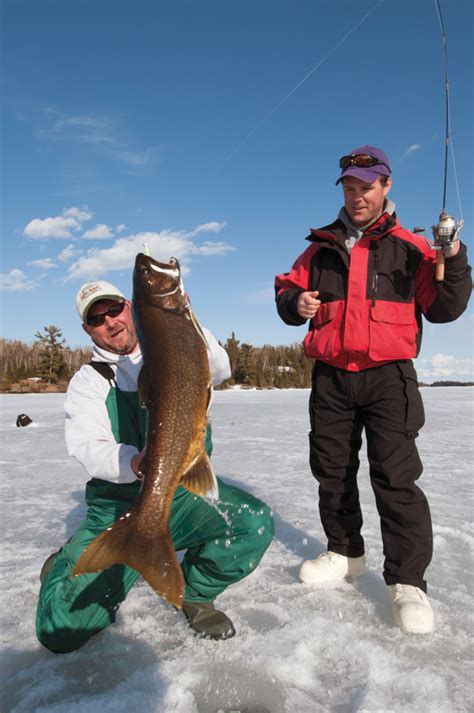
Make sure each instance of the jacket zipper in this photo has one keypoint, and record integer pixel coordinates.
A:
(375, 278)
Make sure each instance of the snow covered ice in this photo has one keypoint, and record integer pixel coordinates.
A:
(297, 649)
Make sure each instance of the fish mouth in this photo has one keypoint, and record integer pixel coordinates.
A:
(163, 278)
(146, 261)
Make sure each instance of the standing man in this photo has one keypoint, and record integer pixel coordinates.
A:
(364, 283)
(105, 431)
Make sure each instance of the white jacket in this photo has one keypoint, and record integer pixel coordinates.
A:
(89, 436)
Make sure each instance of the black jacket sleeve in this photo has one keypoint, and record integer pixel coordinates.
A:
(455, 290)
(286, 303)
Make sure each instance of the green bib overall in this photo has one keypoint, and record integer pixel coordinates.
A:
(224, 541)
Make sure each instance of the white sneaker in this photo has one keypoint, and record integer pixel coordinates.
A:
(331, 567)
(411, 609)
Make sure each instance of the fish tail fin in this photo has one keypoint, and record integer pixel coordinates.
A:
(154, 558)
(157, 563)
(201, 480)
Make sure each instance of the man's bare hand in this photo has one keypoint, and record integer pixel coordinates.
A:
(308, 304)
(454, 248)
(135, 463)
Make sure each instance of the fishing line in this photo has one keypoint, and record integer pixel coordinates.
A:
(458, 193)
(302, 81)
(448, 136)
(446, 231)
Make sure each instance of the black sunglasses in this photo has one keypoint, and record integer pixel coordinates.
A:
(362, 160)
(97, 320)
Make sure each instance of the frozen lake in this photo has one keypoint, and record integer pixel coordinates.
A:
(297, 649)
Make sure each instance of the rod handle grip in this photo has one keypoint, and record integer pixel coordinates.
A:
(440, 266)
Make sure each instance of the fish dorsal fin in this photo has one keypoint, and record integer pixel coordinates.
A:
(200, 479)
(198, 327)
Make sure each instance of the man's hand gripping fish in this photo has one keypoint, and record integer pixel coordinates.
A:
(175, 386)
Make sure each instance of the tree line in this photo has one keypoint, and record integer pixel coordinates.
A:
(49, 359)
(267, 367)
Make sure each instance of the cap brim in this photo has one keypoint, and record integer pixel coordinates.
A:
(368, 175)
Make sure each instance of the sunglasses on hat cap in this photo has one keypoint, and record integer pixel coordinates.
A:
(361, 160)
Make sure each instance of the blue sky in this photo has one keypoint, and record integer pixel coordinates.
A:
(212, 131)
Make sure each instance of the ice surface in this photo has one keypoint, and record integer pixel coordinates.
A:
(297, 649)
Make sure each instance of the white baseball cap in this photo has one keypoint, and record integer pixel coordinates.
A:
(93, 292)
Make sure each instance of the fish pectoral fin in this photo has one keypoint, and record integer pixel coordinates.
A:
(200, 479)
(143, 388)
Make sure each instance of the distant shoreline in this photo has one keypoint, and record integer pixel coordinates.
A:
(61, 388)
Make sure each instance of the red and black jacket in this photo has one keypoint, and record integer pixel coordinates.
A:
(374, 299)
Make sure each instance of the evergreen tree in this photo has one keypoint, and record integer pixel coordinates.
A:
(247, 372)
(51, 365)
(233, 350)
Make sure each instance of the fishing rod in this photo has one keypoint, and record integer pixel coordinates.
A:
(447, 230)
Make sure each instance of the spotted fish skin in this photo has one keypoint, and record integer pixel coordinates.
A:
(174, 386)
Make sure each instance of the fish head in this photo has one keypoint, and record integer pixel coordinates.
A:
(158, 284)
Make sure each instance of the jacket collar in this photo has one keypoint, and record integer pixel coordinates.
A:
(336, 232)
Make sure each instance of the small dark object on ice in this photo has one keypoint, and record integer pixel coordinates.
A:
(23, 420)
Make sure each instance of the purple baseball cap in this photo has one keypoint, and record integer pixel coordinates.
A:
(370, 173)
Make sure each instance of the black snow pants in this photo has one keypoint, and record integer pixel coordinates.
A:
(386, 402)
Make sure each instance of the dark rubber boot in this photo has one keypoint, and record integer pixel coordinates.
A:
(207, 621)
(45, 569)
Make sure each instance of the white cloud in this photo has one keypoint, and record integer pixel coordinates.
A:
(67, 253)
(163, 245)
(61, 226)
(82, 215)
(100, 232)
(212, 227)
(15, 280)
(42, 229)
(45, 264)
(102, 134)
(135, 159)
(445, 367)
(85, 129)
(209, 248)
(120, 228)
(411, 149)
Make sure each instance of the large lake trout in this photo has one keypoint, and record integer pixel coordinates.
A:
(175, 387)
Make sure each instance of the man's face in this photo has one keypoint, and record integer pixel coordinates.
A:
(364, 201)
(116, 334)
